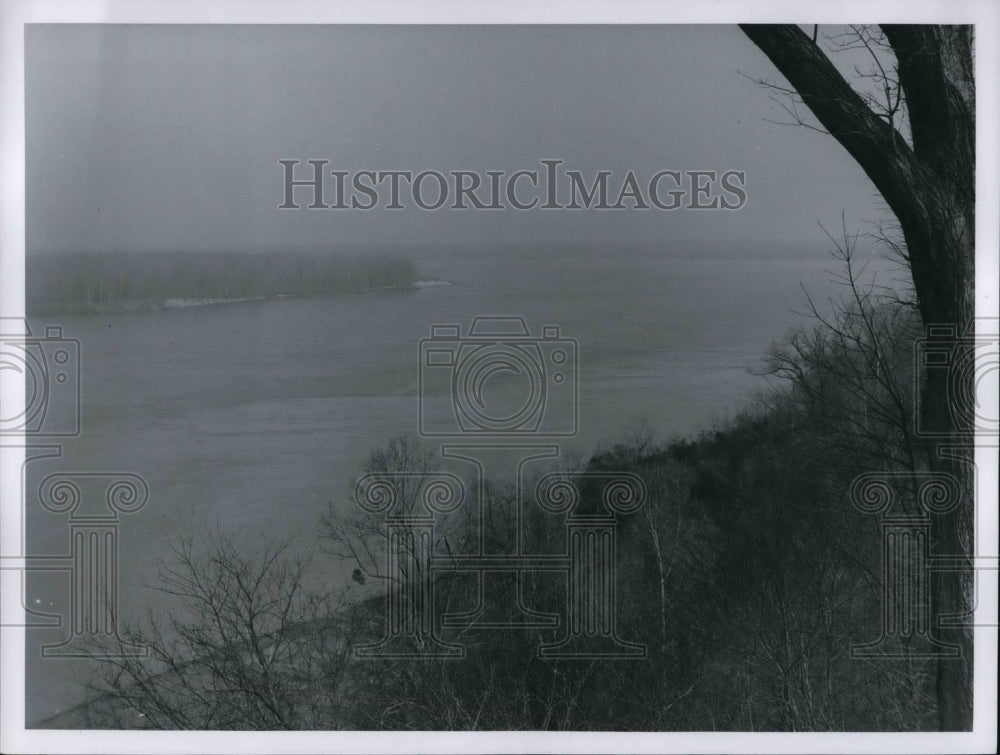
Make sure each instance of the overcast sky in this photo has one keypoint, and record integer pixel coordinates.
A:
(157, 137)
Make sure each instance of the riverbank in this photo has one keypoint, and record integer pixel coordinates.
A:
(102, 282)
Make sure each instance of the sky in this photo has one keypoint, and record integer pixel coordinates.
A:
(168, 137)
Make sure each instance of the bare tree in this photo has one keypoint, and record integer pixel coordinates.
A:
(247, 646)
(852, 374)
(401, 470)
(930, 188)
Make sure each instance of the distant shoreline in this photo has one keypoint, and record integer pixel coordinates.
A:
(106, 282)
(149, 305)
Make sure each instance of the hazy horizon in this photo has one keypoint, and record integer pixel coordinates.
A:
(168, 137)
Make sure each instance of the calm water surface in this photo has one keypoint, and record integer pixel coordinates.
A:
(253, 416)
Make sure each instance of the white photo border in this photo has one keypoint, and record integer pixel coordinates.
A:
(14, 14)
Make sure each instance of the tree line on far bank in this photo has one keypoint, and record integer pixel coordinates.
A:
(84, 282)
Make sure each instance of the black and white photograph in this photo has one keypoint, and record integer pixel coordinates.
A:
(452, 379)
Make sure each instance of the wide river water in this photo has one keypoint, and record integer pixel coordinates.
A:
(252, 416)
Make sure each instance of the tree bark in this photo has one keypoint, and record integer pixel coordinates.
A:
(931, 189)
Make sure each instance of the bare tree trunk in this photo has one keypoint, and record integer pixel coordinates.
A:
(931, 189)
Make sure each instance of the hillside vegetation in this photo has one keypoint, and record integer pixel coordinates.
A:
(748, 575)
